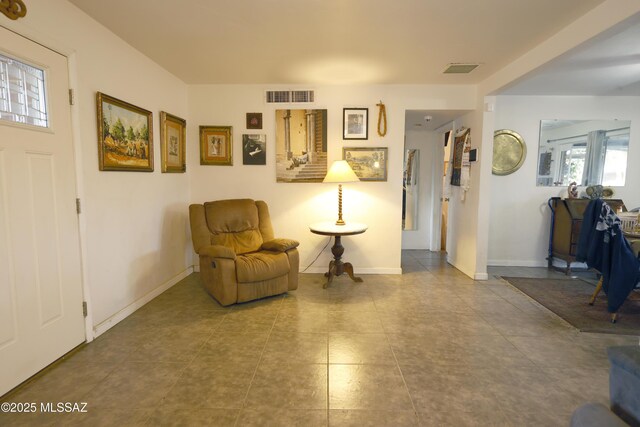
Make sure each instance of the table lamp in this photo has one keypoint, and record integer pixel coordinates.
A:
(340, 172)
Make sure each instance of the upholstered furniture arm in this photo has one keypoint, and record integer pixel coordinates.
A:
(217, 251)
(200, 234)
(219, 278)
(280, 245)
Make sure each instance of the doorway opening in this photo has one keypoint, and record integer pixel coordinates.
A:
(427, 151)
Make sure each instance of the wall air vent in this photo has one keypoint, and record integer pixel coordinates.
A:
(460, 68)
(289, 96)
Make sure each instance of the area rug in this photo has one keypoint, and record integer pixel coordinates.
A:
(569, 299)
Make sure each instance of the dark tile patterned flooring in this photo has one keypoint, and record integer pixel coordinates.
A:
(428, 347)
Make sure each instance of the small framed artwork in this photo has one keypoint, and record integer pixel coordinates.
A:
(370, 164)
(125, 135)
(254, 120)
(355, 123)
(173, 132)
(254, 149)
(216, 147)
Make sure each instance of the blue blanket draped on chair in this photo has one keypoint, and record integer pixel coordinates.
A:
(603, 247)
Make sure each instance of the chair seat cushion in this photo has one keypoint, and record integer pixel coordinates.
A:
(263, 265)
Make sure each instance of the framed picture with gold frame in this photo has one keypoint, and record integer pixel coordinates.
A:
(216, 147)
(173, 132)
(125, 135)
(369, 164)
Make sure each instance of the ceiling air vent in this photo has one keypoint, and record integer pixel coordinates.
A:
(289, 96)
(460, 68)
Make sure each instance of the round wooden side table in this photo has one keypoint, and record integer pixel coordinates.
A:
(336, 266)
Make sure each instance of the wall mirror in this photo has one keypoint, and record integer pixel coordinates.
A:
(410, 190)
(589, 152)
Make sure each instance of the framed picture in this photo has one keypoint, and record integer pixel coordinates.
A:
(125, 135)
(370, 164)
(458, 152)
(254, 149)
(173, 132)
(301, 145)
(355, 123)
(254, 120)
(216, 147)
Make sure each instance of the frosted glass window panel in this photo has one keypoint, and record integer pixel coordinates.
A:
(22, 93)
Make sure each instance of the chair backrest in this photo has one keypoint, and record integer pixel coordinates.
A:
(241, 224)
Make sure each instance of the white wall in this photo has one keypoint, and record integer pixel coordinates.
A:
(520, 218)
(463, 225)
(134, 224)
(294, 206)
(431, 146)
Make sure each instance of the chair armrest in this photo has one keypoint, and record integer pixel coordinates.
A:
(280, 245)
(218, 251)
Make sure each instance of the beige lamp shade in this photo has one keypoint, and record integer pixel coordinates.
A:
(340, 172)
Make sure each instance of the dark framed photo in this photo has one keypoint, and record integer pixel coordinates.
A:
(173, 132)
(370, 164)
(254, 120)
(216, 147)
(125, 135)
(355, 123)
(254, 149)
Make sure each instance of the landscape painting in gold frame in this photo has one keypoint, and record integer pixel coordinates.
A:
(216, 146)
(369, 164)
(172, 142)
(125, 135)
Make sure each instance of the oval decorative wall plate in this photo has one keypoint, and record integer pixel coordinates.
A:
(509, 152)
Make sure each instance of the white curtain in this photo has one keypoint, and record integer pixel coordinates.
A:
(594, 160)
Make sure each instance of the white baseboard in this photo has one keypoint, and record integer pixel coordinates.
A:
(516, 263)
(481, 276)
(196, 268)
(359, 270)
(131, 308)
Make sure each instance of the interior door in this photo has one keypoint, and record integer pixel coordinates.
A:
(41, 316)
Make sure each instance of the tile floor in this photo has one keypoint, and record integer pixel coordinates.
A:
(429, 347)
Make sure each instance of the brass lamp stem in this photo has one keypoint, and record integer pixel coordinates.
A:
(340, 221)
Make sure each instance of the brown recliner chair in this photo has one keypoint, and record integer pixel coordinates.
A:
(240, 260)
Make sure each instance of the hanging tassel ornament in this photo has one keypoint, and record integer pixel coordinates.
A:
(382, 119)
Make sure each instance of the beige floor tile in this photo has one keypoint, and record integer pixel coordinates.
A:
(135, 385)
(99, 417)
(346, 348)
(234, 346)
(355, 322)
(372, 418)
(428, 347)
(378, 387)
(191, 417)
(277, 417)
(170, 345)
(289, 385)
(302, 321)
(482, 418)
(211, 383)
(591, 385)
(299, 347)
(66, 381)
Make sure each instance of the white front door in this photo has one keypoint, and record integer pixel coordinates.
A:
(40, 280)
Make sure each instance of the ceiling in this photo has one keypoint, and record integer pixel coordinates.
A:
(429, 120)
(333, 41)
(607, 65)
